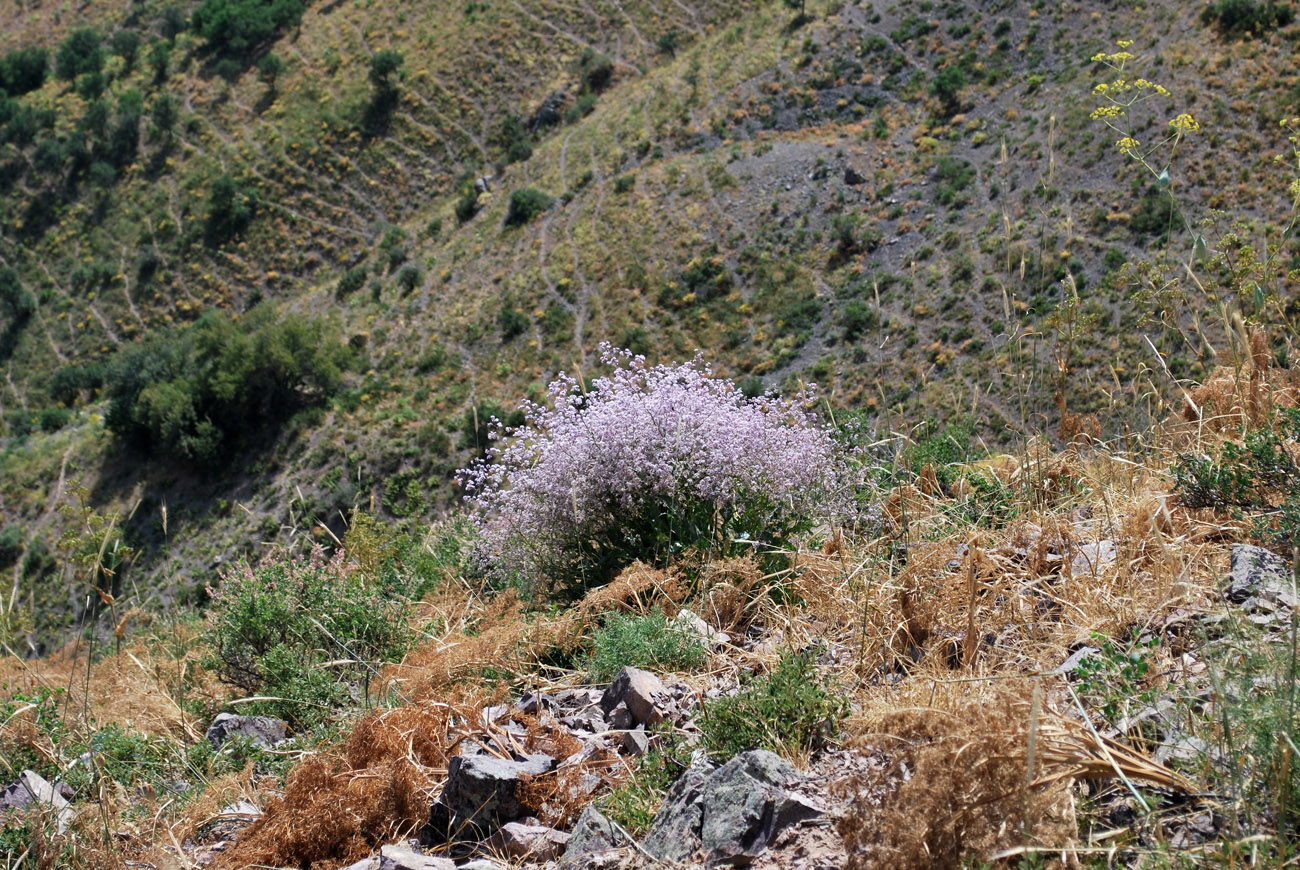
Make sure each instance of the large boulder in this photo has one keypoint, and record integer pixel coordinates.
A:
(728, 816)
(480, 796)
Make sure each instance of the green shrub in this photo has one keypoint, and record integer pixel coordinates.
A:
(81, 53)
(273, 628)
(466, 204)
(596, 69)
(649, 642)
(351, 281)
(526, 204)
(409, 277)
(12, 540)
(947, 87)
(23, 70)
(231, 206)
(200, 392)
(235, 27)
(625, 183)
(1245, 17)
(636, 801)
(789, 711)
(54, 418)
(954, 176)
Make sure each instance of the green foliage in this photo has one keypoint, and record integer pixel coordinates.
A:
(625, 183)
(637, 799)
(69, 382)
(269, 69)
(526, 204)
(788, 711)
(648, 641)
(17, 304)
(409, 277)
(126, 45)
(511, 320)
(941, 449)
(859, 318)
(350, 282)
(1114, 680)
(383, 65)
(23, 70)
(273, 628)
(231, 206)
(1247, 17)
(954, 177)
(236, 27)
(947, 87)
(1257, 474)
(514, 139)
(12, 540)
(596, 69)
(81, 53)
(199, 393)
(467, 204)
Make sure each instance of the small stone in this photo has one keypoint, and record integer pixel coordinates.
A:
(620, 718)
(401, 858)
(32, 788)
(853, 177)
(371, 863)
(635, 742)
(1092, 558)
(261, 730)
(640, 691)
(593, 833)
(1076, 658)
(1262, 574)
(481, 864)
(535, 842)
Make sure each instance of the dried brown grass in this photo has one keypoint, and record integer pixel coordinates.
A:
(957, 781)
(340, 805)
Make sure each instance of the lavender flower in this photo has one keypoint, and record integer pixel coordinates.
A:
(648, 461)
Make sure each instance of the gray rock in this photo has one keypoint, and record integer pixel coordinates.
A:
(640, 691)
(1260, 573)
(371, 863)
(262, 730)
(480, 796)
(620, 718)
(401, 858)
(534, 842)
(483, 184)
(32, 788)
(636, 742)
(731, 814)
(1091, 558)
(481, 864)
(852, 176)
(593, 835)
(1076, 658)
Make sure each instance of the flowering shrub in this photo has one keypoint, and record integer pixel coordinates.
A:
(647, 462)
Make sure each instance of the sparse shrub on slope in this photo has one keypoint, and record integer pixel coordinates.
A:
(643, 464)
(1244, 17)
(235, 27)
(273, 627)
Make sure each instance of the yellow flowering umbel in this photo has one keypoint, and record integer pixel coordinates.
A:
(1121, 95)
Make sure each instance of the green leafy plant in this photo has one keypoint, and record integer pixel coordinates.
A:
(788, 711)
(649, 641)
(1114, 680)
(526, 204)
(301, 632)
(637, 799)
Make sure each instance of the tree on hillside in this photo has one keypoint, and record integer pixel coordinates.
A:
(23, 70)
(81, 53)
(235, 27)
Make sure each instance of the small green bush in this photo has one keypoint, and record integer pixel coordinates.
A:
(789, 711)
(273, 628)
(236, 27)
(526, 204)
(636, 801)
(350, 282)
(625, 183)
(81, 53)
(11, 545)
(648, 641)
